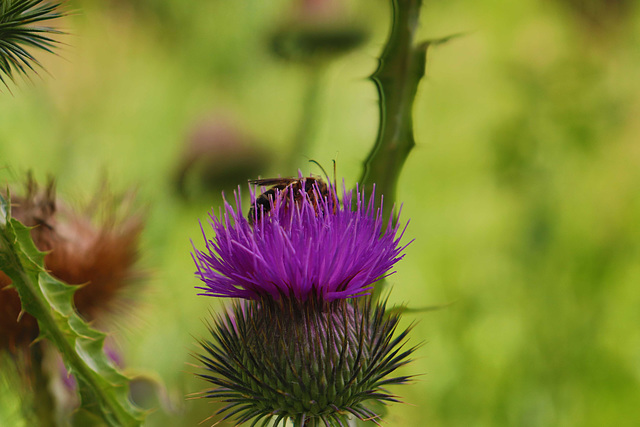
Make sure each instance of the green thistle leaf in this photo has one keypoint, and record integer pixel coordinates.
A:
(21, 30)
(103, 389)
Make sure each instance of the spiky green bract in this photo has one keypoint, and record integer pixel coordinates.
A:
(103, 389)
(21, 30)
(315, 363)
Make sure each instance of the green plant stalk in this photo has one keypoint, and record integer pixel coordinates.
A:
(44, 405)
(16, 404)
(307, 128)
(401, 67)
(103, 390)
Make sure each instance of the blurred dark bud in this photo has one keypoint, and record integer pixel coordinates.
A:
(600, 16)
(148, 391)
(217, 155)
(317, 31)
(99, 257)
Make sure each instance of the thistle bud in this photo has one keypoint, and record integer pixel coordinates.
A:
(317, 32)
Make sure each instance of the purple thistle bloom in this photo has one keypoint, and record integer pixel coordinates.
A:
(305, 244)
(301, 346)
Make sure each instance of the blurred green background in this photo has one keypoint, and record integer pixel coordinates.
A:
(523, 190)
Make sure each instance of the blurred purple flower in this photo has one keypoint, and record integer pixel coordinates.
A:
(308, 244)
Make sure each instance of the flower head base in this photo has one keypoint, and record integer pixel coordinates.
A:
(308, 244)
(314, 363)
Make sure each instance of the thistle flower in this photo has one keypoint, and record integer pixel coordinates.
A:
(305, 343)
(323, 247)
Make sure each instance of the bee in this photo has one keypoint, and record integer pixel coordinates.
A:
(279, 190)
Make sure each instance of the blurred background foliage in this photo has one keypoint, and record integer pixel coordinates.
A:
(523, 190)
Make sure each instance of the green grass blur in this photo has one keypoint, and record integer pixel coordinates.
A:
(523, 190)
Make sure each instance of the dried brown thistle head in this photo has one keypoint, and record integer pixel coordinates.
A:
(100, 257)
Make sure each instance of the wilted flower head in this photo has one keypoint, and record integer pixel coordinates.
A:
(80, 252)
(308, 244)
(306, 343)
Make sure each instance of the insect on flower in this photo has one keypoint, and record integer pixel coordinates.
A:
(280, 188)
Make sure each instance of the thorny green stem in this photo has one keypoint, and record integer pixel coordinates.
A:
(22, 281)
(401, 67)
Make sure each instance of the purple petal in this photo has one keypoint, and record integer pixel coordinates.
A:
(333, 249)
